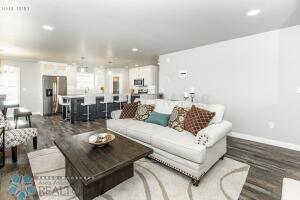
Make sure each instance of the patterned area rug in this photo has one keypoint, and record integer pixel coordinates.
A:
(151, 180)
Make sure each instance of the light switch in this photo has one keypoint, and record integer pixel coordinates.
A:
(298, 89)
(271, 124)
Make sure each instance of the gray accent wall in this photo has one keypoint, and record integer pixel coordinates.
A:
(257, 78)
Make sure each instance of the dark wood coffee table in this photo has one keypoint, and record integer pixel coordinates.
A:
(98, 169)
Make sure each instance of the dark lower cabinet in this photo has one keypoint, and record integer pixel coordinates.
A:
(78, 112)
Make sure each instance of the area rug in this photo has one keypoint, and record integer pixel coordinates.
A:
(151, 181)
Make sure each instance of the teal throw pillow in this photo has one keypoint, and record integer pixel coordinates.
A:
(159, 119)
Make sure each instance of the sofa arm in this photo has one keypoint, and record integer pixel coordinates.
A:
(210, 135)
(116, 114)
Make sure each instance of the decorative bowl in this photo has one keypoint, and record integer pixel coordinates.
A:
(101, 139)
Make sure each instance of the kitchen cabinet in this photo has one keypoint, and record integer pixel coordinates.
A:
(54, 69)
(148, 73)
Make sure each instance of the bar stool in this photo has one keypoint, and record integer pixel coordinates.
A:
(108, 98)
(122, 99)
(67, 105)
(89, 99)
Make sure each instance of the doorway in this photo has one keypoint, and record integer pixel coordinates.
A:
(116, 84)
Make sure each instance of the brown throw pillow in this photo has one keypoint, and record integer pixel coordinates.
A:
(197, 119)
(129, 110)
(177, 118)
(143, 112)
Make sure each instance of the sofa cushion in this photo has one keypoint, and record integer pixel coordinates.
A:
(119, 125)
(158, 118)
(177, 118)
(143, 131)
(197, 119)
(182, 145)
(143, 112)
(164, 106)
(129, 110)
(148, 101)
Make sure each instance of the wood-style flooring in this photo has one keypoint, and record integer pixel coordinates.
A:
(268, 164)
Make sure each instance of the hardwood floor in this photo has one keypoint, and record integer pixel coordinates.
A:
(268, 164)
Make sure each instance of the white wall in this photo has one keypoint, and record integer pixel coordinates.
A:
(255, 77)
(30, 84)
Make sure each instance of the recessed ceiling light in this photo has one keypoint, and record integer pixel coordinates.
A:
(253, 12)
(136, 65)
(134, 49)
(47, 27)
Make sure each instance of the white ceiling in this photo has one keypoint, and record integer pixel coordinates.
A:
(106, 30)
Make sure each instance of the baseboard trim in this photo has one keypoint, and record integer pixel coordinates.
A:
(265, 141)
(36, 113)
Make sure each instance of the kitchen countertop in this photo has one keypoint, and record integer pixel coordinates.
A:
(70, 96)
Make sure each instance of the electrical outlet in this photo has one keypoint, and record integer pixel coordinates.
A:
(271, 124)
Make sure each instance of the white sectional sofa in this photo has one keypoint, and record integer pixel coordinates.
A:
(182, 151)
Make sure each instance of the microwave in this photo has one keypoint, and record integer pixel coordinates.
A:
(138, 82)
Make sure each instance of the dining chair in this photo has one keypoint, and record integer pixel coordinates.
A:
(12, 138)
(2, 99)
(2, 148)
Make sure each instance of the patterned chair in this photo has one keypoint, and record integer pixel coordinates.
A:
(11, 138)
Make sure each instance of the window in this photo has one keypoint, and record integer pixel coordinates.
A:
(85, 80)
(10, 83)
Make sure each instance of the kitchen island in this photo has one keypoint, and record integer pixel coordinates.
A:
(77, 111)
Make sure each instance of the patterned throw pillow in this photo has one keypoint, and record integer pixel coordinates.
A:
(197, 119)
(129, 110)
(143, 112)
(177, 118)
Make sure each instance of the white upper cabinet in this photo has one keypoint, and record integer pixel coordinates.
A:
(54, 69)
(148, 73)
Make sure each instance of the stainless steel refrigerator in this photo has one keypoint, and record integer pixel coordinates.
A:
(53, 86)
